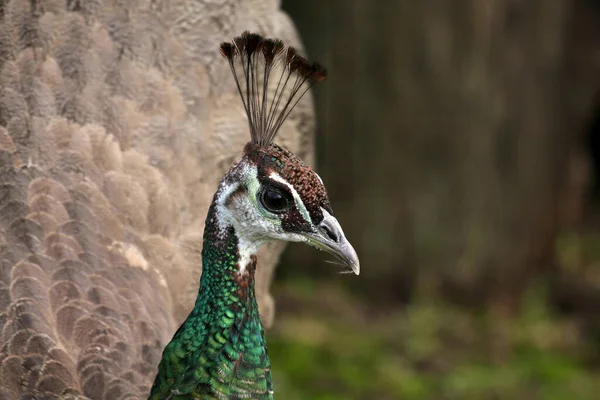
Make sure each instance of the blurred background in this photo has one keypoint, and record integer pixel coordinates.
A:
(460, 143)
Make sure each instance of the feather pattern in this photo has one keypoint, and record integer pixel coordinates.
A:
(115, 127)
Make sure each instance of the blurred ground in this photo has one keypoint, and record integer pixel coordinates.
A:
(327, 344)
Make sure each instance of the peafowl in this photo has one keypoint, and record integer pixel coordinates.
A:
(117, 121)
(220, 350)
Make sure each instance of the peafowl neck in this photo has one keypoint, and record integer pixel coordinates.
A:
(220, 350)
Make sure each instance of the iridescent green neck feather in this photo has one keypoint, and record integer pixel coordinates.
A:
(269, 194)
(219, 352)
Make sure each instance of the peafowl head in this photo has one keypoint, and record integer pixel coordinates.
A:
(270, 193)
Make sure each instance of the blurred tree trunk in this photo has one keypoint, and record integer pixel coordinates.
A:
(444, 139)
(575, 283)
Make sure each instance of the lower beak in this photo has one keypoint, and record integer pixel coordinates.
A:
(330, 238)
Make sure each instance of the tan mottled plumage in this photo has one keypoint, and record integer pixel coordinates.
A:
(117, 119)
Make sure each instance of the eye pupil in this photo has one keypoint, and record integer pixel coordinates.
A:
(274, 201)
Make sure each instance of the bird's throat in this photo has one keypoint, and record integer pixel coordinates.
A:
(220, 349)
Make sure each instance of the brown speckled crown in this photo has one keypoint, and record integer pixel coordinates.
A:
(253, 59)
(291, 168)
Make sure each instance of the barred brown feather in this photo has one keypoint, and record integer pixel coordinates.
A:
(115, 126)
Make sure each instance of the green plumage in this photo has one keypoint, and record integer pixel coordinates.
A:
(219, 352)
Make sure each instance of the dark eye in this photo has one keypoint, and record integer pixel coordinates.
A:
(274, 200)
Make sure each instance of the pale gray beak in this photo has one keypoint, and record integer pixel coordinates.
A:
(330, 237)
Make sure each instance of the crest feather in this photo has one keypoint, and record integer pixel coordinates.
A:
(253, 60)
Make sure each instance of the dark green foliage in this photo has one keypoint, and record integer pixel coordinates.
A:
(220, 350)
(327, 345)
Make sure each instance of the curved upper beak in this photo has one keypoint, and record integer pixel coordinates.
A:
(330, 237)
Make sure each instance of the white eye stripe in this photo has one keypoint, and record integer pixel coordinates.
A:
(299, 203)
(319, 178)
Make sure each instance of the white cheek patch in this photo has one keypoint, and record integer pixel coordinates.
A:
(299, 203)
(242, 212)
(253, 228)
(248, 244)
(225, 216)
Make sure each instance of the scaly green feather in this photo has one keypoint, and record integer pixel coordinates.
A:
(269, 194)
(219, 352)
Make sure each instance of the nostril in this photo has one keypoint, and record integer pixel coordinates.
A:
(329, 233)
